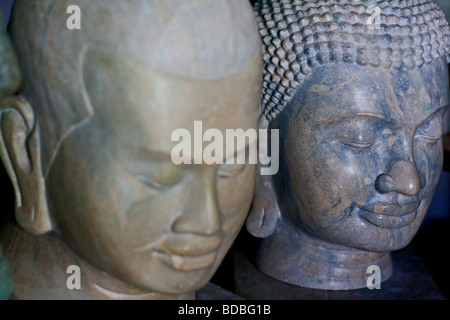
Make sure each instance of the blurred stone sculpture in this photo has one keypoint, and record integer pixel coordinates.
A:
(87, 145)
(358, 90)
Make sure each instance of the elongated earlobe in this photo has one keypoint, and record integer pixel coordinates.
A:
(264, 214)
(21, 155)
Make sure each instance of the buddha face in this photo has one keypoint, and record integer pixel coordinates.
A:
(361, 153)
(116, 197)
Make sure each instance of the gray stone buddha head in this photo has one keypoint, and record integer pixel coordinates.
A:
(358, 90)
(87, 144)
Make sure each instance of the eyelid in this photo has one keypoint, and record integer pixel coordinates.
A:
(357, 144)
(430, 138)
(433, 136)
(240, 167)
(231, 173)
(150, 183)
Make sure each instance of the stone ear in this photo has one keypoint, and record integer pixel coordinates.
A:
(265, 213)
(21, 155)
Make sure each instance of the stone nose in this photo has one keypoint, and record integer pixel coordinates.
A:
(202, 215)
(403, 178)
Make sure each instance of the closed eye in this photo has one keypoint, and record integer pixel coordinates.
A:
(230, 170)
(356, 145)
(432, 128)
(235, 167)
(430, 138)
(150, 183)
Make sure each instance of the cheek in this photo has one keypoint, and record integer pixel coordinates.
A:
(104, 213)
(84, 203)
(234, 199)
(120, 209)
(325, 179)
(148, 220)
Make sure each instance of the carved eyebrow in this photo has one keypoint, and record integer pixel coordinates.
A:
(339, 118)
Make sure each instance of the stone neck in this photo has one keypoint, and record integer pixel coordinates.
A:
(293, 256)
(40, 264)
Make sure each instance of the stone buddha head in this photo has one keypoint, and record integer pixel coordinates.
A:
(87, 143)
(358, 90)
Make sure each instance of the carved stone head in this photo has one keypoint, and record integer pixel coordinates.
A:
(358, 90)
(87, 144)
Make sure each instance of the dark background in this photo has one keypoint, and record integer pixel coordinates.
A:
(432, 242)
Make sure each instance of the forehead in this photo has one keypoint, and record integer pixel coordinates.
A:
(408, 96)
(143, 106)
